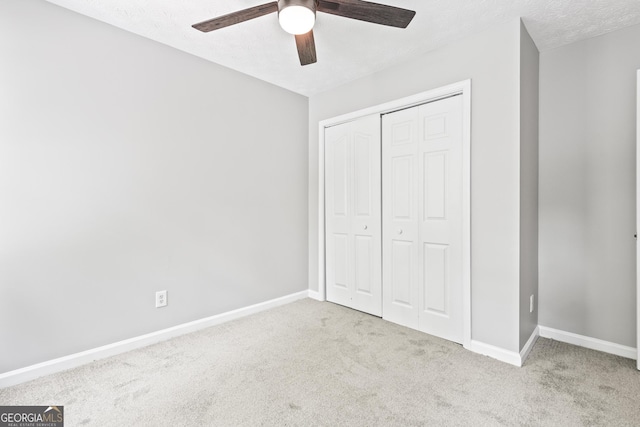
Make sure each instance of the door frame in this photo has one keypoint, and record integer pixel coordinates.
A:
(462, 88)
(638, 219)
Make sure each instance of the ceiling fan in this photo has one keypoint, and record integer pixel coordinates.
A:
(297, 17)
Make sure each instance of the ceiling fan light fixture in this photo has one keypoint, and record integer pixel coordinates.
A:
(297, 16)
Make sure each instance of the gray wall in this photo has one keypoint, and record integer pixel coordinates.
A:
(587, 187)
(128, 167)
(529, 71)
(492, 60)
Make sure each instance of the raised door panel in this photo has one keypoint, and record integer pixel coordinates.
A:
(363, 173)
(340, 261)
(402, 130)
(436, 279)
(401, 273)
(401, 190)
(364, 265)
(435, 186)
(339, 175)
(434, 126)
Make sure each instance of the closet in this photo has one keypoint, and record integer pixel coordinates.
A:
(394, 216)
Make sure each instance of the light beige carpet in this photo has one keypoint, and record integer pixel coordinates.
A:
(311, 363)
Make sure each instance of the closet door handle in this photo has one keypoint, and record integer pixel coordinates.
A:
(400, 231)
(365, 227)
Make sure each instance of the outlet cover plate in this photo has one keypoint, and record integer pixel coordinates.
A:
(161, 299)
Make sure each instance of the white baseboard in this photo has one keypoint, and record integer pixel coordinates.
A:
(588, 342)
(73, 360)
(528, 346)
(315, 295)
(510, 357)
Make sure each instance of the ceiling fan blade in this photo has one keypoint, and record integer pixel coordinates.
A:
(236, 17)
(367, 11)
(306, 48)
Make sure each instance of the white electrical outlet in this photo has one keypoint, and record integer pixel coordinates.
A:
(531, 304)
(161, 299)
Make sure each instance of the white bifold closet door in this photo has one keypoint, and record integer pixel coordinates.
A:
(353, 223)
(422, 218)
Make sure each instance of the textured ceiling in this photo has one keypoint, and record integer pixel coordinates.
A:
(348, 49)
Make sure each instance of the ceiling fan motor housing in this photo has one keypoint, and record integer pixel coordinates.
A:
(309, 4)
